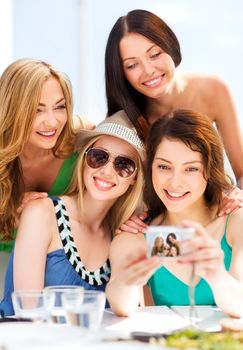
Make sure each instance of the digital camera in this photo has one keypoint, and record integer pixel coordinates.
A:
(165, 241)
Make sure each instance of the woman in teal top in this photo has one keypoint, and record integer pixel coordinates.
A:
(36, 138)
(170, 290)
(184, 180)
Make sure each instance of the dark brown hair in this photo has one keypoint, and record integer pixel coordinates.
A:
(197, 132)
(119, 92)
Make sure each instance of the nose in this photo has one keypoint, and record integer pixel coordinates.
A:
(50, 119)
(148, 67)
(175, 179)
(108, 168)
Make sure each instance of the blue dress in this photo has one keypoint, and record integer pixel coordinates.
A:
(63, 266)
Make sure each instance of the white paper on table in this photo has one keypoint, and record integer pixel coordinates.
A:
(154, 319)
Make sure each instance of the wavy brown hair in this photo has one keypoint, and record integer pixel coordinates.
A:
(196, 131)
(119, 92)
(20, 90)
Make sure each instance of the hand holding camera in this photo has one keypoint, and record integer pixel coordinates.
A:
(190, 244)
(166, 241)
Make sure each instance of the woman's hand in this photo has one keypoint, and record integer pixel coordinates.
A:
(130, 270)
(134, 225)
(204, 252)
(82, 123)
(136, 268)
(231, 201)
(28, 196)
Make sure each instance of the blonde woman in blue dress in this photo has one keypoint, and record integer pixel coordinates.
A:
(66, 240)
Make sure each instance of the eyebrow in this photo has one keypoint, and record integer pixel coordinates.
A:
(186, 163)
(43, 104)
(133, 58)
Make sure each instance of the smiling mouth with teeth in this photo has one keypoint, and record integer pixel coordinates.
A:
(154, 81)
(103, 184)
(46, 133)
(176, 194)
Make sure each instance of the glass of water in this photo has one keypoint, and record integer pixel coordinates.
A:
(58, 313)
(84, 309)
(32, 305)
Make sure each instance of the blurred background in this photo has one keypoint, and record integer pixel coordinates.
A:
(72, 34)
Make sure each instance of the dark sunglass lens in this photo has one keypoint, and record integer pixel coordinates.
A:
(124, 166)
(97, 157)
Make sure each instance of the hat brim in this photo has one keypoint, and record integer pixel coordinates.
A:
(128, 135)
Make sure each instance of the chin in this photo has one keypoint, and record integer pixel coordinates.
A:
(102, 196)
(174, 208)
(153, 94)
(50, 145)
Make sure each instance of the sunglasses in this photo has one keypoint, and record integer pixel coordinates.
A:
(96, 158)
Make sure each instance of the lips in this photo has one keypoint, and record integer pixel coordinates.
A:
(47, 133)
(176, 196)
(102, 184)
(154, 82)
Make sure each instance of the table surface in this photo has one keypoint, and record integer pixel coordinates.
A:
(157, 319)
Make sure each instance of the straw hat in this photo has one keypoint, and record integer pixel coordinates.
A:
(117, 125)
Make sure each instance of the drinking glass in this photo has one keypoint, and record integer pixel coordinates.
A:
(84, 309)
(58, 314)
(32, 304)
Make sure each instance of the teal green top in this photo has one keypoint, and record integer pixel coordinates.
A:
(59, 187)
(168, 290)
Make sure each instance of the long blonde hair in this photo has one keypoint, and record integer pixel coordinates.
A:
(20, 90)
(124, 206)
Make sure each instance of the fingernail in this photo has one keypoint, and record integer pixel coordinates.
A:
(221, 213)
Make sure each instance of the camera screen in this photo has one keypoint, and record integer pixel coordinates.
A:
(165, 241)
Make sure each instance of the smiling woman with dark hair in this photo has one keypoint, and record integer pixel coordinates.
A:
(141, 60)
(184, 180)
(171, 238)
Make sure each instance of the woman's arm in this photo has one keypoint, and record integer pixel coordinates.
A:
(229, 291)
(208, 258)
(225, 116)
(130, 270)
(134, 225)
(33, 239)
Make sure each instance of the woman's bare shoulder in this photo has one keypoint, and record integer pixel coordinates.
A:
(236, 217)
(37, 222)
(208, 94)
(200, 80)
(41, 207)
(235, 224)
